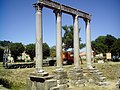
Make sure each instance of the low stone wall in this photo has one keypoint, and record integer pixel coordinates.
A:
(20, 65)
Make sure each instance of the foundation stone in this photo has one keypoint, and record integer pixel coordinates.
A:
(76, 76)
(41, 81)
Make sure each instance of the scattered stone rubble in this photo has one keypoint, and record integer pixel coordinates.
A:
(95, 76)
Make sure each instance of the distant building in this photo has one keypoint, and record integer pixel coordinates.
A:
(24, 56)
(10, 58)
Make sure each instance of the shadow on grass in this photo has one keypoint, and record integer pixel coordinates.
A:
(5, 83)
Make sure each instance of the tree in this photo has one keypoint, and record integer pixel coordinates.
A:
(53, 51)
(98, 47)
(46, 50)
(116, 48)
(16, 49)
(82, 45)
(109, 41)
(5, 43)
(68, 37)
(103, 44)
(1, 54)
(30, 49)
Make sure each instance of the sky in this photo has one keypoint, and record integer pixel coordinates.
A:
(17, 20)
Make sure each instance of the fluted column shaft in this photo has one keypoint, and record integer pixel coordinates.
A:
(39, 40)
(59, 38)
(88, 44)
(76, 42)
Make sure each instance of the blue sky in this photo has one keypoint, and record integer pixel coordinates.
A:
(17, 19)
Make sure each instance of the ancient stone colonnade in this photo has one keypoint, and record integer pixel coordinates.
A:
(58, 9)
(41, 80)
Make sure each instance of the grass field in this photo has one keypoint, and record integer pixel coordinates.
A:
(15, 79)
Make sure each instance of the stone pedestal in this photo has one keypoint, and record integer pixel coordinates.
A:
(94, 76)
(62, 79)
(76, 76)
(41, 81)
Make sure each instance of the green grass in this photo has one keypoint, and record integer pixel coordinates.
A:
(16, 78)
(111, 70)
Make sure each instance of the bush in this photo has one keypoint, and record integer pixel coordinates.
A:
(5, 83)
(1, 54)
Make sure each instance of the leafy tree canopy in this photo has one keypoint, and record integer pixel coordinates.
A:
(30, 49)
(105, 44)
(16, 49)
(68, 37)
(46, 50)
(116, 48)
(53, 51)
(5, 43)
(1, 54)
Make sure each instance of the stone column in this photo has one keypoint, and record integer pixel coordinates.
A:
(76, 42)
(39, 54)
(60, 74)
(88, 44)
(59, 38)
(76, 74)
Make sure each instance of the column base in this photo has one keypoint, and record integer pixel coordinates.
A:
(76, 76)
(61, 77)
(94, 76)
(41, 81)
(39, 70)
(89, 67)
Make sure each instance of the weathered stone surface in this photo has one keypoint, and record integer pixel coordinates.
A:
(54, 88)
(40, 86)
(102, 78)
(91, 81)
(76, 76)
(80, 82)
(99, 73)
(102, 83)
(73, 81)
(50, 83)
(39, 40)
(62, 81)
(40, 79)
(63, 87)
(36, 86)
(39, 74)
(63, 8)
(29, 84)
(95, 76)
(96, 70)
(60, 74)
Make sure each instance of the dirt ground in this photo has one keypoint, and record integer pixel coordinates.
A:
(111, 86)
